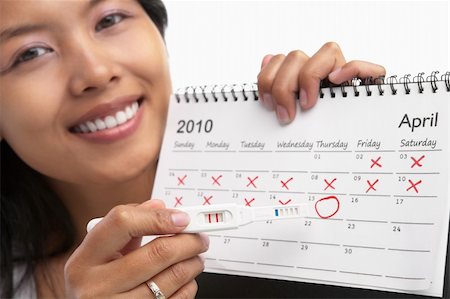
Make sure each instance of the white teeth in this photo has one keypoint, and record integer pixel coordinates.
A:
(121, 117)
(84, 128)
(100, 124)
(129, 112)
(109, 121)
(135, 107)
(91, 126)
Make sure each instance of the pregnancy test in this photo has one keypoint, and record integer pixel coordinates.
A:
(230, 216)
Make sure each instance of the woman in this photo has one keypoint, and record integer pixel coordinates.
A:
(84, 92)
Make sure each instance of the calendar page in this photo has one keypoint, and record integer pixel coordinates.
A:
(372, 171)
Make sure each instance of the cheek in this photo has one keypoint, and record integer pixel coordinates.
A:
(149, 63)
(29, 107)
(29, 113)
(149, 56)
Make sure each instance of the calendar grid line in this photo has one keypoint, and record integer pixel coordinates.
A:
(409, 278)
(365, 247)
(369, 195)
(275, 265)
(374, 151)
(316, 269)
(367, 220)
(279, 240)
(360, 273)
(235, 261)
(410, 250)
(418, 173)
(220, 190)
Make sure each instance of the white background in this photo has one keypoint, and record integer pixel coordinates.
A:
(217, 42)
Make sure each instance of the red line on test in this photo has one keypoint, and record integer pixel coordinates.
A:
(252, 181)
(284, 184)
(329, 184)
(375, 162)
(417, 162)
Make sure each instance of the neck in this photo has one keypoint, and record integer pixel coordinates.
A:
(85, 202)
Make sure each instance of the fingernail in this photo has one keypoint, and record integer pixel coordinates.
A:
(332, 76)
(180, 219)
(282, 114)
(303, 98)
(268, 101)
(205, 239)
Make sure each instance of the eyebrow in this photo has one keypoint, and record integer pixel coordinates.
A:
(21, 29)
(27, 28)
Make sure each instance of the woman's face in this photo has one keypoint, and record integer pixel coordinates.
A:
(84, 87)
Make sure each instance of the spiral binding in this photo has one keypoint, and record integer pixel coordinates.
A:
(249, 92)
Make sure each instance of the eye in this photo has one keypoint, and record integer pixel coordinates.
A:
(31, 53)
(109, 20)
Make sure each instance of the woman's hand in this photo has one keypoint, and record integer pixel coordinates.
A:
(284, 78)
(111, 264)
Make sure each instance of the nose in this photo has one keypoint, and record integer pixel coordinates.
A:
(93, 69)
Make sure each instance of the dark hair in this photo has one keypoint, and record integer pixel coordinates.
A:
(31, 215)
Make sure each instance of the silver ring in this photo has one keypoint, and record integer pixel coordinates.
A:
(155, 290)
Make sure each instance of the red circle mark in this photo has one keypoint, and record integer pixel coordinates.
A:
(327, 198)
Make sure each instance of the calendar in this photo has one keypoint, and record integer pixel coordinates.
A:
(369, 162)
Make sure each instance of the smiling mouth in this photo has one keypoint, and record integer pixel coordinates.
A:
(113, 120)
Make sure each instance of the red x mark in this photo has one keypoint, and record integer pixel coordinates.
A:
(181, 180)
(417, 162)
(252, 181)
(285, 203)
(371, 185)
(375, 162)
(178, 201)
(207, 199)
(329, 184)
(248, 202)
(216, 180)
(284, 184)
(413, 185)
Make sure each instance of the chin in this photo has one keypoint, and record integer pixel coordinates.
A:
(123, 170)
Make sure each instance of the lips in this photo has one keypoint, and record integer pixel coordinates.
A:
(108, 116)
